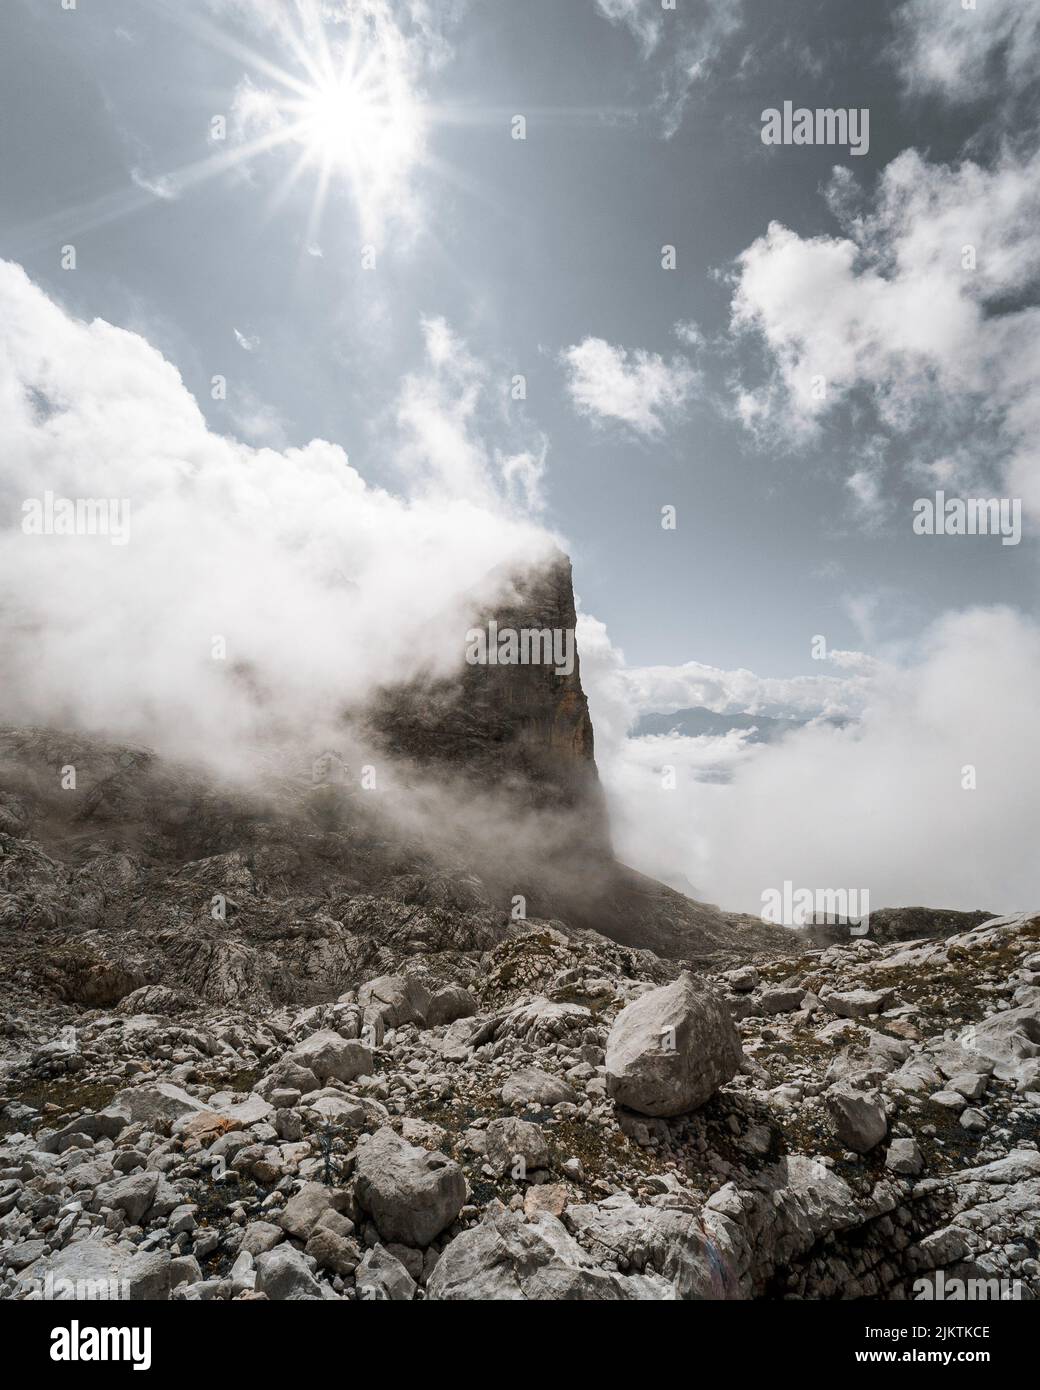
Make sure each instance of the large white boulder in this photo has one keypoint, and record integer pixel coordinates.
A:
(671, 1049)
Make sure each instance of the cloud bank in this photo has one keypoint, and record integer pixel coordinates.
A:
(262, 590)
(880, 804)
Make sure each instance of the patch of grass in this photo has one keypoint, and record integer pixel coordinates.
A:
(70, 1096)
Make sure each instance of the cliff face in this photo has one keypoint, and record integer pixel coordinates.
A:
(525, 732)
(522, 728)
(516, 733)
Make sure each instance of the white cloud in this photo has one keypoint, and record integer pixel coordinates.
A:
(161, 186)
(866, 484)
(965, 54)
(322, 586)
(638, 388)
(876, 805)
(894, 307)
(439, 417)
(629, 691)
(247, 344)
(256, 420)
(523, 474)
(643, 17)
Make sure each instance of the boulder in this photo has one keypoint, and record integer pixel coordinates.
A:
(449, 1004)
(327, 1054)
(671, 1049)
(132, 1195)
(1008, 1040)
(530, 1085)
(742, 980)
(859, 1118)
(508, 1259)
(904, 1158)
(304, 1212)
(92, 1269)
(856, 1003)
(284, 1274)
(381, 1275)
(153, 999)
(779, 1000)
(410, 1194)
(157, 1102)
(396, 999)
(516, 1145)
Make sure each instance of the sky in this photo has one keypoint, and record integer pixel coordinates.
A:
(327, 210)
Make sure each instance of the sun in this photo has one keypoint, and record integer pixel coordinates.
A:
(340, 121)
(354, 122)
(346, 101)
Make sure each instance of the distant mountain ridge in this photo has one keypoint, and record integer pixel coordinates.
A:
(700, 722)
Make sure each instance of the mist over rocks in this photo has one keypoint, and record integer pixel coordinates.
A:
(289, 1039)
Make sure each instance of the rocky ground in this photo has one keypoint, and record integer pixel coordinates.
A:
(541, 1114)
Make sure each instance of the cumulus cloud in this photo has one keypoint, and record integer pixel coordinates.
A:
(628, 691)
(319, 586)
(922, 302)
(877, 804)
(639, 388)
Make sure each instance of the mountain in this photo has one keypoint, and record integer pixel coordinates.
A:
(389, 1020)
(486, 815)
(698, 722)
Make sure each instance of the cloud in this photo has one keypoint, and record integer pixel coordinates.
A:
(439, 416)
(626, 692)
(876, 805)
(161, 186)
(923, 303)
(965, 54)
(321, 586)
(640, 388)
(523, 474)
(256, 420)
(642, 17)
(245, 343)
(683, 46)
